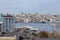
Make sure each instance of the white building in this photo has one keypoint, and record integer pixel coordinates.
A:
(8, 23)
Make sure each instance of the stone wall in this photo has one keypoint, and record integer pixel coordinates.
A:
(7, 38)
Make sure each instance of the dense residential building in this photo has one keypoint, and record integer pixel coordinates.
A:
(8, 23)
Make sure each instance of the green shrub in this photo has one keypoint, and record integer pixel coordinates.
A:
(43, 34)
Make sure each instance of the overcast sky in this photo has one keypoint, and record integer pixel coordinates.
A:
(32, 6)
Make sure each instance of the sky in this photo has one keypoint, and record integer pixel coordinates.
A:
(30, 6)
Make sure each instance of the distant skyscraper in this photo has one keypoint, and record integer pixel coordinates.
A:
(8, 23)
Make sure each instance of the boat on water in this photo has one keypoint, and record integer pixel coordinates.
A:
(30, 27)
(41, 21)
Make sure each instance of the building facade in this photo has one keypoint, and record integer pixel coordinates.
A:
(0, 28)
(8, 23)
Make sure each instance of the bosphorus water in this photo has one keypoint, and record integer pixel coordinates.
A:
(40, 26)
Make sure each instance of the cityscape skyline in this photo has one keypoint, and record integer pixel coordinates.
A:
(29, 19)
(30, 6)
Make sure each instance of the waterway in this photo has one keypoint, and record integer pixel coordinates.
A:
(40, 26)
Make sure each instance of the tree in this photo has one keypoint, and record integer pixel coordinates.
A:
(43, 34)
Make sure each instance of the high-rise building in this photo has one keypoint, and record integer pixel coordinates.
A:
(8, 24)
(0, 28)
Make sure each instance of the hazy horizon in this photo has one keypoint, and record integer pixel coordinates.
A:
(30, 6)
